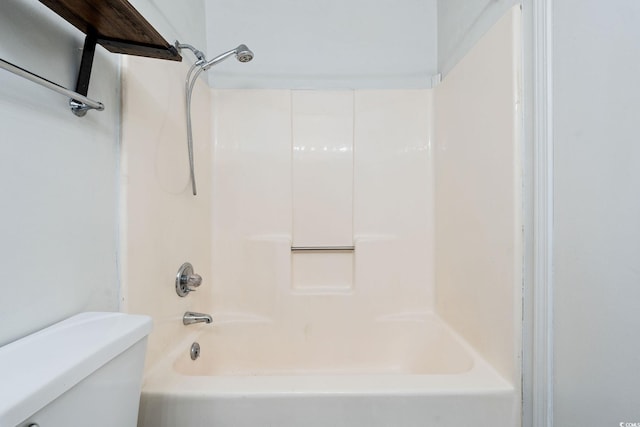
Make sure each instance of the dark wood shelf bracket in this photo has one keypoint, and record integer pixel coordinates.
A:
(84, 74)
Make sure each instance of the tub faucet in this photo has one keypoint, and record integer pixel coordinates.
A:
(190, 318)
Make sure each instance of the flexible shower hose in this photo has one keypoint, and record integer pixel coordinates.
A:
(189, 83)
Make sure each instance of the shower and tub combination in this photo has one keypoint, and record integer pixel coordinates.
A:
(360, 250)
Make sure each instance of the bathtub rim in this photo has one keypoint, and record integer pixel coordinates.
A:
(481, 378)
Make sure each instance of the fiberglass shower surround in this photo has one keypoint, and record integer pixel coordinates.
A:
(409, 315)
(242, 54)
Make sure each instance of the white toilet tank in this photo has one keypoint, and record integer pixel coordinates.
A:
(83, 371)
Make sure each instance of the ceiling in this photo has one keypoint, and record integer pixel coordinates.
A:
(328, 44)
(325, 44)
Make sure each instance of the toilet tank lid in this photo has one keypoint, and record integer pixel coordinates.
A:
(38, 368)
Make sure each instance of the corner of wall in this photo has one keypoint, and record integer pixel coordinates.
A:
(478, 197)
(461, 24)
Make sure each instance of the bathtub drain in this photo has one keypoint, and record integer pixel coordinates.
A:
(195, 351)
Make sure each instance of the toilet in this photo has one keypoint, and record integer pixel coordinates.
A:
(85, 370)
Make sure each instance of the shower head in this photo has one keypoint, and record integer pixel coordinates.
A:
(242, 53)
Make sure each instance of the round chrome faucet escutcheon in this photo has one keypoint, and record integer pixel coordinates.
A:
(187, 280)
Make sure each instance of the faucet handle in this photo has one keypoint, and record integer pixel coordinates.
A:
(191, 281)
(187, 280)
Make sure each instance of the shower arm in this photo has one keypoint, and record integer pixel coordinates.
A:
(198, 53)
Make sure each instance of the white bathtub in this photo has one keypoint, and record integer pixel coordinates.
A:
(404, 371)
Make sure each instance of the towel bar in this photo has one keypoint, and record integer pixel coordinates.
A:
(78, 101)
(322, 248)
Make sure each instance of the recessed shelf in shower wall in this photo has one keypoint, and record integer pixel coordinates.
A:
(322, 252)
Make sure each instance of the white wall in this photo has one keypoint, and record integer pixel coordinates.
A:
(333, 44)
(369, 147)
(461, 23)
(596, 106)
(162, 224)
(478, 197)
(58, 228)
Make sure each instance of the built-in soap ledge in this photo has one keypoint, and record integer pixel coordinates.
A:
(334, 270)
(318, 270)
(322, 272)
(340, 270)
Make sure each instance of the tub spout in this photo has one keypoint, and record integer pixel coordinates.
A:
(190, 318)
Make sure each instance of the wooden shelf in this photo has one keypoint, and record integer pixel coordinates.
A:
(116, 25)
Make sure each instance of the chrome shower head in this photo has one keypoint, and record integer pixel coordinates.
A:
(242, 53)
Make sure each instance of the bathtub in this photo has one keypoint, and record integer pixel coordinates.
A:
(399, 371)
